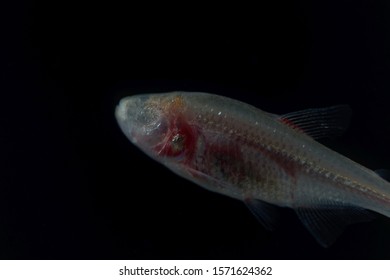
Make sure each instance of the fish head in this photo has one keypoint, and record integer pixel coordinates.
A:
(158, 124)
(167, 127)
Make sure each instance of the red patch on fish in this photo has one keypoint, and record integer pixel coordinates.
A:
(180, 140)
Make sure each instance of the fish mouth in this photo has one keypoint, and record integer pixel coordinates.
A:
(127, 113)
(129, 107)
(137, 117)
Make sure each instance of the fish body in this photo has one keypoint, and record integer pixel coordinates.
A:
(263, 159)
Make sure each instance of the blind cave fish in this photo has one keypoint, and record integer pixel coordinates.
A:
(265, 160)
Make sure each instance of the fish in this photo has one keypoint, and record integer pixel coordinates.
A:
(266, 160)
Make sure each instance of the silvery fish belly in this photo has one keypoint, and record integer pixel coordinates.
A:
(263, 159)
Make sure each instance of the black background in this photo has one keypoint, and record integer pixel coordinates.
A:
(73, 187)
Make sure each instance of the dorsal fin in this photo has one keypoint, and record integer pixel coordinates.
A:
(320, 122)
(384, 173)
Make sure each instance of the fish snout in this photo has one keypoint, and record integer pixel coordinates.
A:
(128, 108)
(137, 117)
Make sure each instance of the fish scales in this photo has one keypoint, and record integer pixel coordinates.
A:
(235, 149)
(235, 153)
(270, 154)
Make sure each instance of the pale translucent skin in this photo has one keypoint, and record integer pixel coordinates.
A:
(243, 152)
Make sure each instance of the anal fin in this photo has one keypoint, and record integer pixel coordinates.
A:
(327, 223)
(267, 214)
